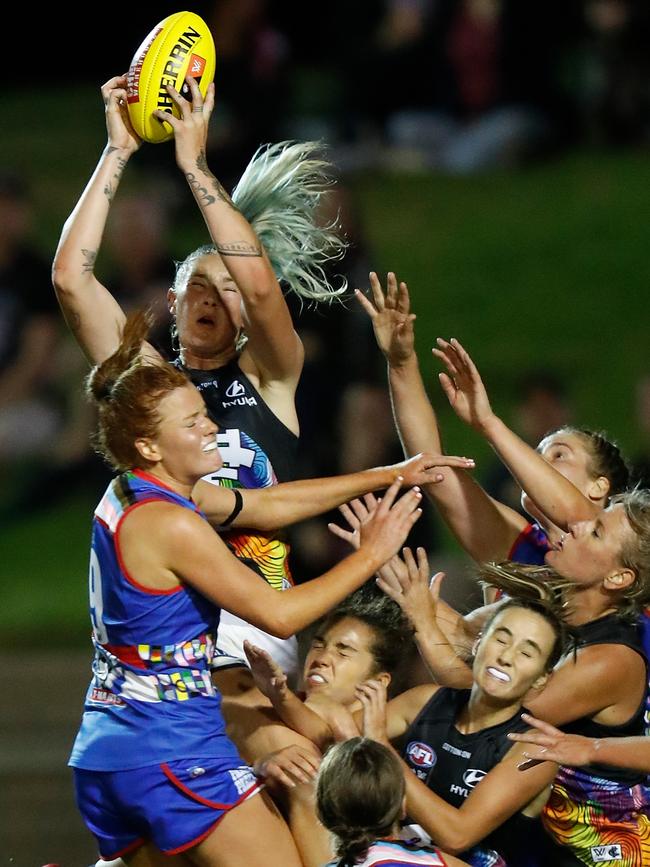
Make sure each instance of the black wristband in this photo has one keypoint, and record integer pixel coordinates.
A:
(239, 504)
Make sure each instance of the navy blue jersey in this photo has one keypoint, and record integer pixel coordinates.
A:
(452, 764)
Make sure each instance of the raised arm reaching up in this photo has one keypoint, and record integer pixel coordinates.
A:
(274, 353)
(485, 528)
(93, 315)
(554, 494)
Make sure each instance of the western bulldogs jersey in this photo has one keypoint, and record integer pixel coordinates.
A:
(396, 853)
(452, 764)
(151, 698)
(530, 546)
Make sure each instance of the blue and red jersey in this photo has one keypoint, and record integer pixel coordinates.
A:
(151, 698)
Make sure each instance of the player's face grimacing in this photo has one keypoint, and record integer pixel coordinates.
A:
(339, 659)
(208, 308)
(512, 656)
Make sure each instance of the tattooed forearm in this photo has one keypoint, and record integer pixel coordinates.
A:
(111, 187)
(202, 163)
(239, 248)
(202, 195)
(202, 166)
(222, 195)
(89, 261)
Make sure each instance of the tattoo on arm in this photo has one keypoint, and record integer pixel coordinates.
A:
(202, 163)
(202, 166)
(89, 261)
(239, 248)
(111, 187)
(222, 195)
(202, 195)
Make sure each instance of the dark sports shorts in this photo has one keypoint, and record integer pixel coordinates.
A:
(174, 805)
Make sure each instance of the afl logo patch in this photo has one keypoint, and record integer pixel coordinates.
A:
(472, 777)
(421, 755)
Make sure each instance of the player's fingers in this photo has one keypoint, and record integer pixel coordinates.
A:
(404, 301)
(365, 303)
(376, 290)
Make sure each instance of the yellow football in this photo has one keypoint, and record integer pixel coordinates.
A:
(179, 46)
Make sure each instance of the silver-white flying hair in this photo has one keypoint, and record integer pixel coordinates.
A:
(279, 194)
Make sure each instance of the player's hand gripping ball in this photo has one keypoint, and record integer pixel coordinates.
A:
(179, 46)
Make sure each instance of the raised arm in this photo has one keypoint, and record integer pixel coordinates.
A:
(460, 632)
(555, 496)
(274, 349)
(93, 315)
(182, 548)
(284, 504)
(407, 583)
(294, 713)
(485, 529)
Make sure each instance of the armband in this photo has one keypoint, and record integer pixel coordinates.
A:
(239, 504)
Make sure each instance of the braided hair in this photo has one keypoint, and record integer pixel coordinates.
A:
(359, 796)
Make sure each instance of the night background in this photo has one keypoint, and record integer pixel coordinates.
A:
(493, 154)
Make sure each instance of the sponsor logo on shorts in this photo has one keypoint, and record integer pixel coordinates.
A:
(243, 778)
(421, 755)
(604, 854)
(103, 696)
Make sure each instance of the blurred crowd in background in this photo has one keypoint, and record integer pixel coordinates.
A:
(448, 86)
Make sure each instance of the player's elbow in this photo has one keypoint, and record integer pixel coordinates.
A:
(455, 841)
(64, 279)
(277, 624)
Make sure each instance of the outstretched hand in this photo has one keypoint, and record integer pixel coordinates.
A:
(424, 469)
(549, 744)
(356, 513)
(121, 134)
(390, 522)
(407, 583)
(463, 385)
(391, 318)
(267, 674)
